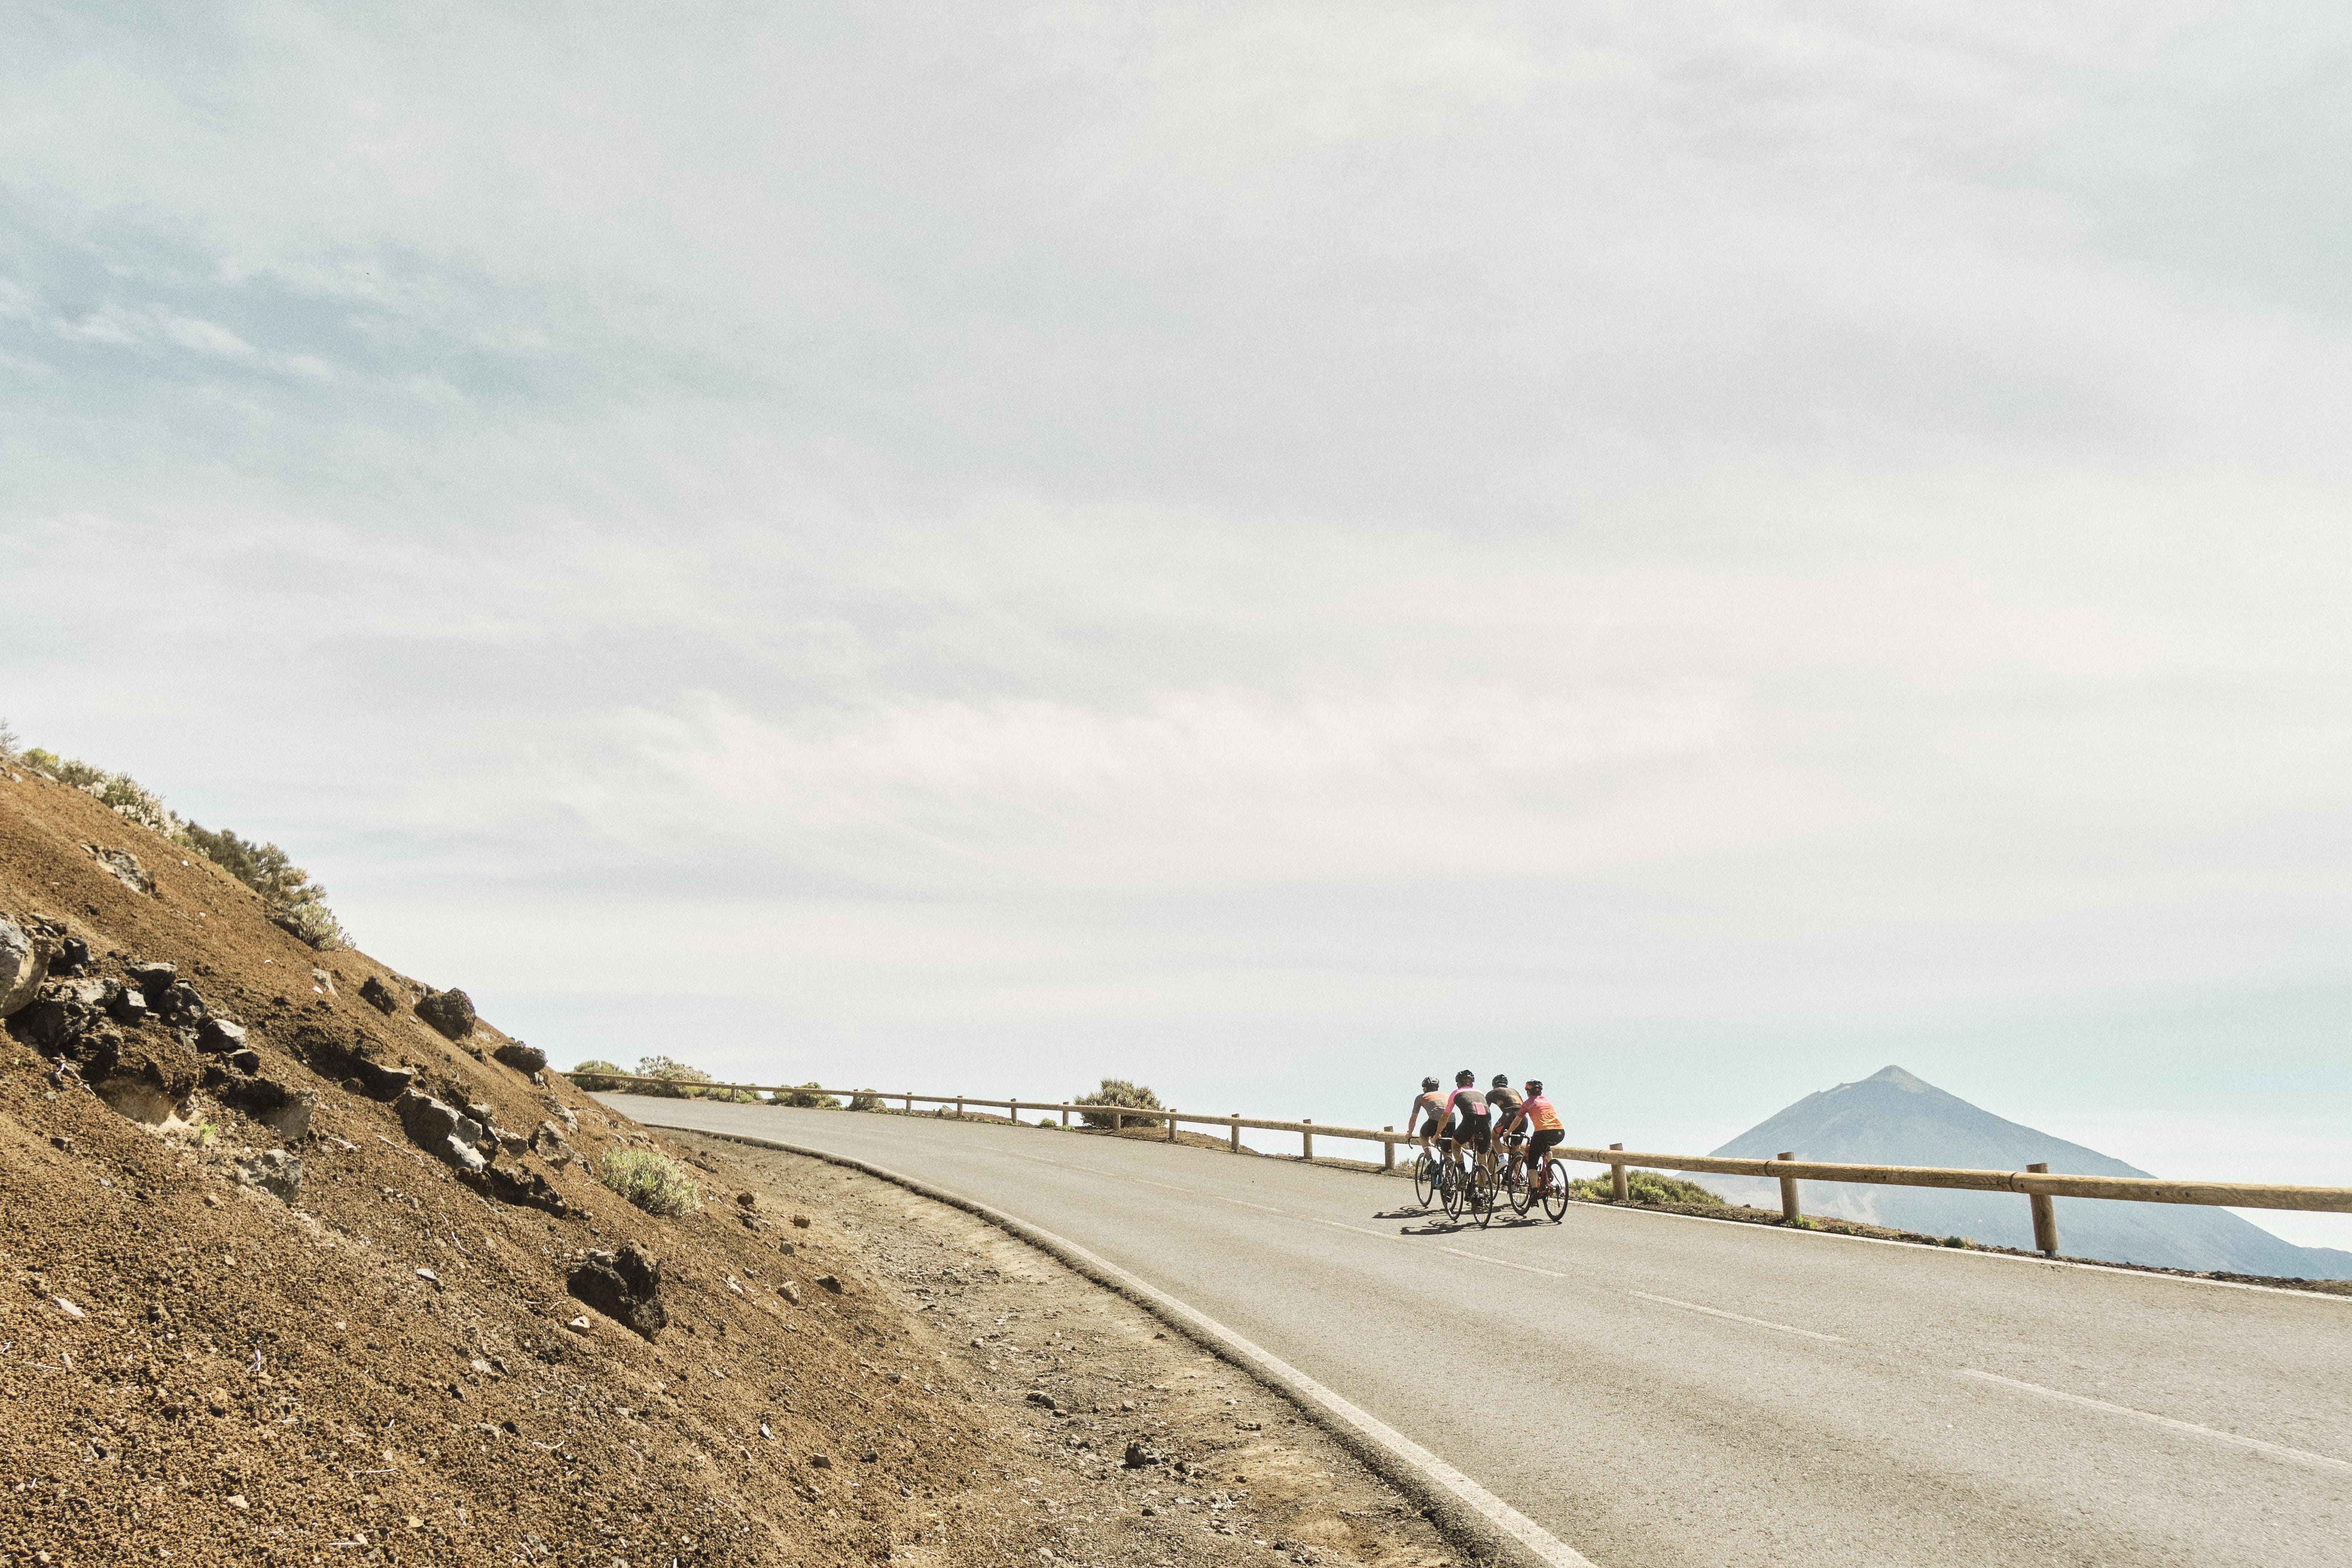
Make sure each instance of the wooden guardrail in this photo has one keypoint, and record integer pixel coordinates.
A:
(2035, 1183)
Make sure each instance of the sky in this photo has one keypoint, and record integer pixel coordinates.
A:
(1693, 550)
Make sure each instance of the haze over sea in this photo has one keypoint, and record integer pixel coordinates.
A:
(1693, 550)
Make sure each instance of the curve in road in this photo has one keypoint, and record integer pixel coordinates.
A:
(1654, 1390)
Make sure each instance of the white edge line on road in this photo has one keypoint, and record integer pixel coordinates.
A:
(2276, 1450)
(1502, 1262)
(1398, 1449)
(1977, 1253)
(1360, 1230)
(1247, 1204)
(1735, 1317)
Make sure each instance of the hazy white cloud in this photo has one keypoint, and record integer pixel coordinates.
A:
(1718, 545)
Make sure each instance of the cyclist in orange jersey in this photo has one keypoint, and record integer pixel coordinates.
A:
(1430, 1102)
(1544, 1131)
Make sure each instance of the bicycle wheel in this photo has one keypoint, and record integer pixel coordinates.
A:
(1555, 1194)
(1519, 1190)
(1424, 1178)
(1482, 1195)
(1453, 1187)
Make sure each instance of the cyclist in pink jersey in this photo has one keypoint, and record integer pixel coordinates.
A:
(1545, 1132)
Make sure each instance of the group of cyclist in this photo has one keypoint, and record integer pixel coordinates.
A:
(1520, 1123)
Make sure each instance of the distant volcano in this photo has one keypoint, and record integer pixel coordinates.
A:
(1895, 1119)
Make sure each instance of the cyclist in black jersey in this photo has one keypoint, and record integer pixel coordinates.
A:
(1473, 1125)
(1502, 1100)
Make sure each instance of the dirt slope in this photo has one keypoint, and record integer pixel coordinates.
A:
(201, 1361)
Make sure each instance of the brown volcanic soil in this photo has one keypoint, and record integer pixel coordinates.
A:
(193, 1371)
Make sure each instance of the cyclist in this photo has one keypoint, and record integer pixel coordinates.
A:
(1474, 1119)
(1505, 1103)
(1544, 1131)
(1430, 1102)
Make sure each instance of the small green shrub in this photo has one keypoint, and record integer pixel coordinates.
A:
(655, 1182)
(865, 1099)
(1954, 1241)
(11, 743)
(677, 1078)
(1646, 1188)
(1128, 1096)
(806, 1098)
(600, 1085)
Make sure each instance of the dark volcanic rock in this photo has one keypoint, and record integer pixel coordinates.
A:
(73, 957)
(529, 1188)
(143, 1077)
(625, 1286)
(221, 1036)
(24, 964)
(380, 996)
(451, 1012)
(285, 1111)
(523, 1059)
(440, 1131)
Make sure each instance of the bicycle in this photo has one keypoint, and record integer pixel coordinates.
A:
(1549, 1185)
(1511, 1174)
(1480, 1199)
(1427, 1176)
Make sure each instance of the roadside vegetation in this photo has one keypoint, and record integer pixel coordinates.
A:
(295, 903)
(655, 1182)
(1119, 1092)
(1647, 1187)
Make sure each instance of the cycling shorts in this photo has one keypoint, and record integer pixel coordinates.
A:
(1543, 1143)
(1477, 1135)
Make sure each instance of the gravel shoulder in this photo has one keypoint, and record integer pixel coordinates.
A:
(1118, 1444)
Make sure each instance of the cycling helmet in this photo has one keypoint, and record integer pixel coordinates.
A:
(1535, 1086)
(1428, 1083)
(1465, 1078)
(1502, 1080)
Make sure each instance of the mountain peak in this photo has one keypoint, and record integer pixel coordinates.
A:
(1901, 1080)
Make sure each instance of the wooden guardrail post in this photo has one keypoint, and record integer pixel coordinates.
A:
(1118, 1120)
(1790, 1212)
(1066, 1116)
(1171, 1124)
(959, 1108)
(1306, 1138)
(2045, 1217)
(1617, 1188)
(1237, 1131)
(1388, 1151)
(911, 1102)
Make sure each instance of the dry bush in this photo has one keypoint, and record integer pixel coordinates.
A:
(655, 1182)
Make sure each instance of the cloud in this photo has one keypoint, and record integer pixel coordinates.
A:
(1246, 526)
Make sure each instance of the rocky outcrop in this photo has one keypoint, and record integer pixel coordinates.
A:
(529, 1188)
(24, 964)
(524, 1059)
(625, 1286)
(440, 1131)
(380, 996)
(284, 1110)
(277, 1171)
(144, 1076)
(451, 1012)
(125, 868)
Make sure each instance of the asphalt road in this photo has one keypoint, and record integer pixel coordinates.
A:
(1658, 1391)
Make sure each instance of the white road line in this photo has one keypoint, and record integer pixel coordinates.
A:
(2276, 1450)
(1247, 1204)
(1531, 1537)
(1164, 1186)
(1360, 1230)
(1502, 1263)
(1735, 1317)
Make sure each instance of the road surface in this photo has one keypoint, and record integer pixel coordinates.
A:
(1658, 1392)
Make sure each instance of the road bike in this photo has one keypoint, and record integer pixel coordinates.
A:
(1548, 1185)
(1511, 1174)
(1427, 1174)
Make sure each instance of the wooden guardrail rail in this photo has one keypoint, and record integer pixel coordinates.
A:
(2035, 1183)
